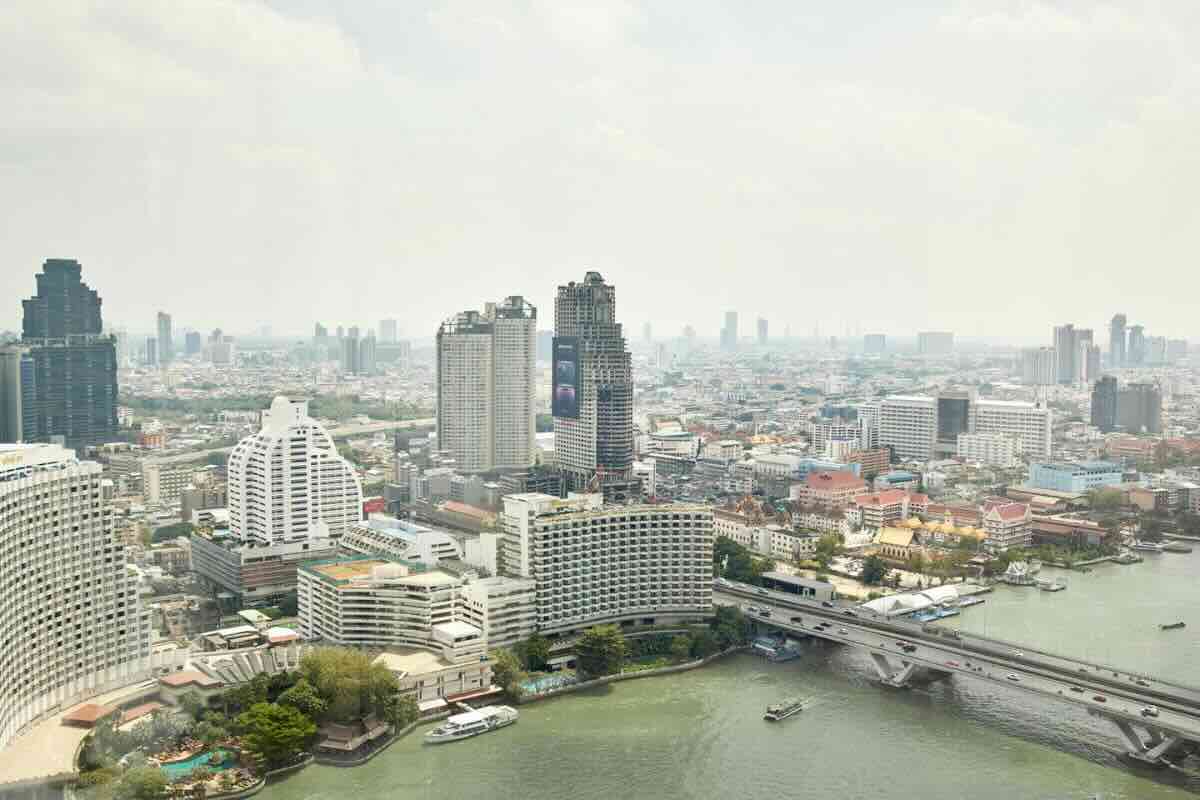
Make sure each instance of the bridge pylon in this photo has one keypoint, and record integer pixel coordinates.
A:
(1154, 748)
(897, 677)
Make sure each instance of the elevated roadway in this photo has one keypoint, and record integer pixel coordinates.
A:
(1158, 719)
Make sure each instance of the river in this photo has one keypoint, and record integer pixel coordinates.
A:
(700, 734)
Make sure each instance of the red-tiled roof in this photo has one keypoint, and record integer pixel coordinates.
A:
(137, 712)
(88, 714)
(188, 676)
(1010, 511)
(833, 480)
(884, 498)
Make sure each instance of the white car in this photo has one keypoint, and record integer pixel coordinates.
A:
(1150, 711)
(1012, 676)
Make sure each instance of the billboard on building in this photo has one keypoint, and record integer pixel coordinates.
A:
(566, 377)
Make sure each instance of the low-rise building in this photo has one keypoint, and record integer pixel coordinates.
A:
(399, 539)
(887, 507)
(991, 449)
(1006, 525)
(1075, 476)
(827, 490)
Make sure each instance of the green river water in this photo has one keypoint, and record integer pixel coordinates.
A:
(700, 734)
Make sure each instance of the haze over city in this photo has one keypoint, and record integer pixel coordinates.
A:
(991, 168)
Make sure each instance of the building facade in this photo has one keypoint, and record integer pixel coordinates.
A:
(991, 449)
(593, 390)
(594, 564)
(74, 626)
(72, 389)
(1077, 477)
(166, 344)
(485, 387)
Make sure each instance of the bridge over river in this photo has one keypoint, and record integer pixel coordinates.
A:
(1159, 720)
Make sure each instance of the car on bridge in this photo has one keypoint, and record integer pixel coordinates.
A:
(1150, 711)
(1099, 698)
(1014, 677)
(1076, 689)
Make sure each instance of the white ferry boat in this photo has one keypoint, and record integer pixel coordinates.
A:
(1148, 547)
(472, 723)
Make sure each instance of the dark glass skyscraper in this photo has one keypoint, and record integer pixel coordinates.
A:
(1104, 404)
(73, 364)
(593, 390)
(1116, 340)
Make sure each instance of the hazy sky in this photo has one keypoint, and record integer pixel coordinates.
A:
(985, 167)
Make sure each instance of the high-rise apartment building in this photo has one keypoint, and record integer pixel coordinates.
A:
(166, 346)
(762, 331)
(594, 564)
(1104, 404)
(150, 355)
(389, 331)
(592, 393)
(729, 333)
(193, 343)
(1136, 351)
(1077, 358)
(16, 389)
(1156, 350)
(647, 332)
(291, 497)
(935, 343)
(1139, 408)
(74, 625)
(485, 386)
(287, 482)
(1177, 350)
(918, 427)
(1116, 340)
(1039, 367)
(72, 390)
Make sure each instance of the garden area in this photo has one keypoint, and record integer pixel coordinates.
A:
(228, 744)
(609, 650)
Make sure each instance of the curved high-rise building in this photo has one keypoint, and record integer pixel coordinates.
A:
(71, 622)
(287, 482)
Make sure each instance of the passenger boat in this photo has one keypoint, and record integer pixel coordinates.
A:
(781, 711)
(1170, 626)
(472, 723)
(1148, 547)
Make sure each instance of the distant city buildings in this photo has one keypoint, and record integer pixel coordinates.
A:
(485, 387)
(193, 343)
(592, 401)
(1134, 408)
(1039, 366)
(935, 343)
(729, 333)
(166, 345)
(389, 331)
(918, 427)
(874, 343)
(1077, 358)
(1116, 340)
(762, 331)
(1076, 477)
(70, 389)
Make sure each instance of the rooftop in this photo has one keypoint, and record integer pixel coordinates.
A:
(412, 661)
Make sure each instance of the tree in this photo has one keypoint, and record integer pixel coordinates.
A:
(172, 531)
(209, 733)
(874, 570)
(600, 651)
(275, 733)
(730, 627)
(193, 704)
(144, 783)
(733, 561)
(1151, 529)
(1106, 499)
(401, 710)
(681, 648)
(507, 672)
(704, 643)
(537, 652)
(305, 699)
(350, 683)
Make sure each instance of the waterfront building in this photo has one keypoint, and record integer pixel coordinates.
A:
(485, 386)
(1006, 525)
(1074, 476)
(596, 564)
(72, 380)
(991, 449)
(504, 608)
(72, 621)
(592, 390)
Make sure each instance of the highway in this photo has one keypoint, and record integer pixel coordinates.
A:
(944, 651)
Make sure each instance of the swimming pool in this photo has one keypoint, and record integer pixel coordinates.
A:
(215, 760)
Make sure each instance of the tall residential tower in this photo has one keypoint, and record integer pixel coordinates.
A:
(486, 364)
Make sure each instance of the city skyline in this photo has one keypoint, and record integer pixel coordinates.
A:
(401, 190)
